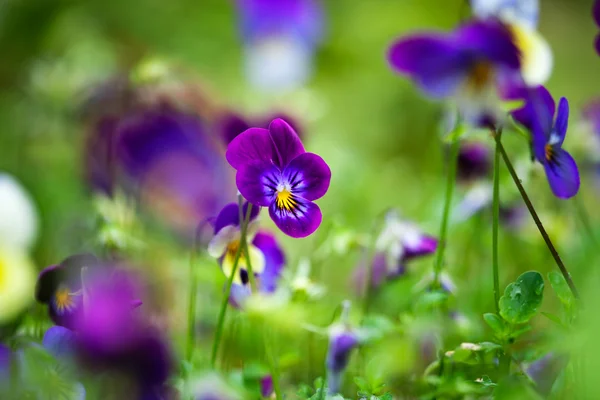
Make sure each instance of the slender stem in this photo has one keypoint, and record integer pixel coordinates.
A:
(273, 367)
(451, 180)
(495, 224)
(192, 305)
(244, 244)
(537, 221)
(369, 267)
(225, 301)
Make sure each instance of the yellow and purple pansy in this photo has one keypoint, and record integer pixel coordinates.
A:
(274, 171)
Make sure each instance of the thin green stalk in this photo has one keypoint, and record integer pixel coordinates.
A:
(495, 222)
(191, 338)
(244, 244)
(273, 367)
(223, 310)
(538, 222)
(450, 182)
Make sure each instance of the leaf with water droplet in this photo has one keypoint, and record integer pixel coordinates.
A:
(522, 298)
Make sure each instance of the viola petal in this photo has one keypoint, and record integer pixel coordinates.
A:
(274, 260)
(563, 174)
(562, 120)
(252, 145)
(302, 220)
(538, 110)
(308, 175)
(258, 181)
(230, 215)
(287, 143)
(60, 342)
(490, 39)
(432, 60)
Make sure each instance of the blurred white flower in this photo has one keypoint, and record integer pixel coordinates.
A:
(18, 216)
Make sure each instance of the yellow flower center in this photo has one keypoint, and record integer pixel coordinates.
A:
(549, 152)
(285, 200)
(63, 300)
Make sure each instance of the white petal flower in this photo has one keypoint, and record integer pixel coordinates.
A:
(18, 216)
(17, 281)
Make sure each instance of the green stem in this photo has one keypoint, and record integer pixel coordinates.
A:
(495, 222)
(451, 180)
(192, 307)
(538, 222)
(273, 367)
(369, 267)
(225, 301)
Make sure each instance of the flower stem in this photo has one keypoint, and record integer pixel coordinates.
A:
(450, 182)
(223, 310)
(192, 303)
(536, 219)
(495, 221)
(273, 367)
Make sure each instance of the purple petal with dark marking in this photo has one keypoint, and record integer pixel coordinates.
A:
(432, 60)
(562, 173)
(60, 342)
(300, 222)
(287, 143)
(252, 145)
(230, 215)
(308, 176)
(274, 260)
(258, 181)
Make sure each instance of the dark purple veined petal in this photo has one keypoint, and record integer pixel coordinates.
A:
(538, 110)
(65, 308)
(300, 220)
(258, 182)
(274, 260)
(287, 143)
(596, 12)
(67, 272)
(491, 40)
(230, 215)
(562, 173)
(308, 176)
(562, 120)
(432, 60)
(424, 246)
(60, 342)
(252, 145)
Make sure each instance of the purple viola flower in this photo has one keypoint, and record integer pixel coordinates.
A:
(280, 37)
(474, 162)
(596, 15)
(544, 371)
(343, 338)
(59, 286)
(265, 254)
(475, 65)
(547, 139)
(399, 242)
(274, 171)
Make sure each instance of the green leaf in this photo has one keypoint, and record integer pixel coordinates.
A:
(496, 323)
(558, 283)
(554, 318)
(515, 387)
(362, 384)
(522, 298)
(486, 381)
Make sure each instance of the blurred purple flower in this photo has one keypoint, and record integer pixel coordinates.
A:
(5, 360)
(596, 15)
(545, 371)
(266, 386)
(474, 162)
(265, 254)
(547, 137)
(59, 286)
(60, 342)
(475, 65)
(281, 37)
(399, 242)
(342, 341)
(274, 170)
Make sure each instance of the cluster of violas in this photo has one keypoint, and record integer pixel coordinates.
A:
(496, 57)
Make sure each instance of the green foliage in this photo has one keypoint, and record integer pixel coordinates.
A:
(561, 288)
(522, 298)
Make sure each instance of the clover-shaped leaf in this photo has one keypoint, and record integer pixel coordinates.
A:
(522, 298)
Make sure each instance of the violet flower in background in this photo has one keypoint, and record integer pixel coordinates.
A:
(342, 340)
(545, 371)
(266, 386)
(5, 360)
(280, 38)
(547, 138)
(399, 242)
(596, 15)
(475, 66)
(274, 170)
(474, 162)
(265, 254)
(521, 18)
(59, 286)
